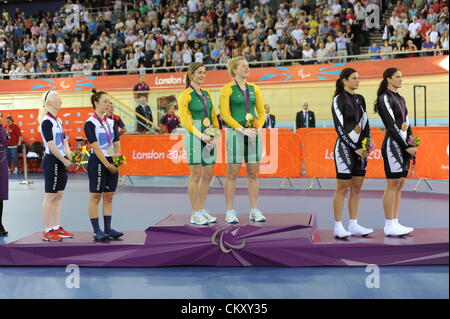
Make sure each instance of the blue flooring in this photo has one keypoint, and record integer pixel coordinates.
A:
(136, 207)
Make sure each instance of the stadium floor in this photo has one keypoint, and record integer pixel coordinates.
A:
(150, 199)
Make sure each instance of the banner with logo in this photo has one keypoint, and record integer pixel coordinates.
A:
(432, 157)
(165, 155)
(73, 119)
(261, 76)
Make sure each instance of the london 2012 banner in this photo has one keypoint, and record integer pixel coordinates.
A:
(215, 78)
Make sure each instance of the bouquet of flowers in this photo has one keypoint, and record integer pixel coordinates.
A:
(119, 160)
(414, 141)
(212, 131)
(251, 122)
(77, 157)
(368, 145)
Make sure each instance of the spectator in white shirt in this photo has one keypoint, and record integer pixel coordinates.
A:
(336, 8)
(199, 56)
(272, 38)
(187, 54)
(298, 33)
(434, 35)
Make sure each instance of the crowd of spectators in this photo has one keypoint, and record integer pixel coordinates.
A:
(129, 37)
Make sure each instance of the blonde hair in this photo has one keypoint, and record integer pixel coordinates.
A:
(46, 97)
(190, 71)
(233, 63)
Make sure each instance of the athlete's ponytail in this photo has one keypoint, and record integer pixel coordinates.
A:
(388, 73)
(345, 74)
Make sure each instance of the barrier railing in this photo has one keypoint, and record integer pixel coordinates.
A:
(360, 57)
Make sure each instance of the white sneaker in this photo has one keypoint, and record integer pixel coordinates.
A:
(358, 230)
(231, 217)
(257, 216)
(340, 232)
(16, 171)
(198, 219)
(209, 218)
(394, 231)
(405, 228)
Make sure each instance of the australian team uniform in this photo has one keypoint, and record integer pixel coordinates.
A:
(235, 107)
(103, 131)
(55, 173)
(352, 126)
(394, 114)
(196, 115)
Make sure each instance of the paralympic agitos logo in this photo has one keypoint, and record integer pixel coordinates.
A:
(226, 240)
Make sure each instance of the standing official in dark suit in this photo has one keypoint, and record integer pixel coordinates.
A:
(144, 110)
(305, 118)
(270, 119)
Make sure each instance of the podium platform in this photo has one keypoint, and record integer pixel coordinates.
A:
(285, 240)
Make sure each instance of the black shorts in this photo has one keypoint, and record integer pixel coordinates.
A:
(55, 174)
(101, 180)
(347, 163)
(396, 161)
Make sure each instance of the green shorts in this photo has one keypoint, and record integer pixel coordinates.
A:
(197, 152)
(240, 147)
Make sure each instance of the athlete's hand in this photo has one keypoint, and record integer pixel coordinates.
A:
(68, 164)
(112, 168)
(250, 132)
(361, 153)
(206, 138)
(412, 151)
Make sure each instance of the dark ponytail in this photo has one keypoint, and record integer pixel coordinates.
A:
(388, 73)
(96, 95)
(345, 74)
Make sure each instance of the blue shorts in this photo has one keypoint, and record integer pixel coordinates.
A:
(101, 180)
(55, 174)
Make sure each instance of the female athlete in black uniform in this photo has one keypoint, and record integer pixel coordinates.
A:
(352, 126)
(396, 150)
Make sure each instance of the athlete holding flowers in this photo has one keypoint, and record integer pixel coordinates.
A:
(398, 147)
(242, 109)
(198, 117)
(102, 172)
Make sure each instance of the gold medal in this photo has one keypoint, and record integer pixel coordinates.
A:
(358, 129)
(404, 126)
(248, 117)
(206, 122)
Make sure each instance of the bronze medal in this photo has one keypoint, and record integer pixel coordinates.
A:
(206, 122)
(358, 129)
(404, 126)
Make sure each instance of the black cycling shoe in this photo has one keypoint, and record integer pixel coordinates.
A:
(114, 234)
(100, 236)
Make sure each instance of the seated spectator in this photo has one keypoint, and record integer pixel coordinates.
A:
(410, 46)
(385, 50)
(427, 45)
(374, 48)
(397, 49)
(308, 54)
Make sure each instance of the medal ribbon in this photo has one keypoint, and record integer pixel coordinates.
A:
(246, 96)
(106, 128)
(63, 135)
(203, 99)
(352, 102)
(401, 105)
